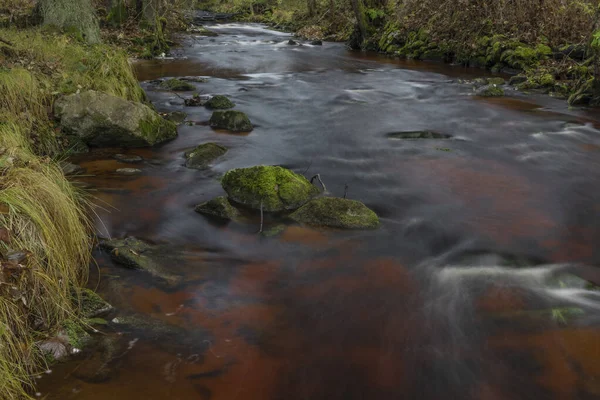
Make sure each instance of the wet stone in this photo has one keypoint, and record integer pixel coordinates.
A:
(219, 102)
(219, 207)
(196, 101)
(128, 171)
(490, 91)
(418, 135)
(336, 213)
(176, 117)
(70, 168)
(177, 85)
(235, 121)
(203, 155)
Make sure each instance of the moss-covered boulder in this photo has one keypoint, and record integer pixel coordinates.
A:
(177, 85)
(219, 102)
(202, 155)
(276, 188)
(336, 213)
(102, 120)
(490, 91)
(219, 207)
(235, 121)
(136, 254)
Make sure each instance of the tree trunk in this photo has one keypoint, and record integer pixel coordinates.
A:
(312, 7)
(72, 14)
(359, 13)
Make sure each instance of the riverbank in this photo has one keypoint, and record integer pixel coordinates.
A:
(549, 47)
(46, 234)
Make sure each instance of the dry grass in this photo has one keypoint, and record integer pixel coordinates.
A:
(45, 216)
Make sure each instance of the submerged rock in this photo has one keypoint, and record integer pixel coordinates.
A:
(202, 155)
(273, 231)
(490, 91)
(177, 85)
(70, 168)
(219, 102)
(102, 120)
(176, 117)
(128, 158)
(336, 213)
(317, 43)
(276, 188)
(128, 171)
(136, 254)
(235, 121)
(104, 362)
(418, 135)
(218, 207)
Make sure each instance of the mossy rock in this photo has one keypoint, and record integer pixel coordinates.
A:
(103, 363)
(219, 102)
(202, 155)
(235, 121)
(273, 231)
(177, 85)
(336, 213)
(219, 207)
(91, 304)
(495, 81)
(177, 117)
(133, 253)
(102, 120)
(490, 91)
(276, 188)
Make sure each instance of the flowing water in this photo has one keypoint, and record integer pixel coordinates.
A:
(463, 292)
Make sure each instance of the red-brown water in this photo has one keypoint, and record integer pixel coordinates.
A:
(425, 307)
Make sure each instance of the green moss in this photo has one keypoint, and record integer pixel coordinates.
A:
(218, 207)
(90, 303)
(235, 121)
(495, 81)
(177, 85)
(276, 188)
(156, 129)
(77, 335)
(336, 213)
(490, 91)
(202, 155)
(219, 102)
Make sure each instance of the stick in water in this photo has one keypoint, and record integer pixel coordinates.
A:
(345, 190)
(318, 176)
(261, 217)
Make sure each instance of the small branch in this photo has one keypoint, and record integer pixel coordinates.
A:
(345, 190)
(261, 217)
(318, 176)
(307, 168)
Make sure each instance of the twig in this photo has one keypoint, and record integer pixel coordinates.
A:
(261, 217)
(318, 176)
(307, 168)
(345, 190)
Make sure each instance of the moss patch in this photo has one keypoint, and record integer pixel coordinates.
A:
(490, 91)
(202, 155)
(219, 102)
(336, 213)
(218, 207)
(235, 121)
(177, 85)
(276, 188)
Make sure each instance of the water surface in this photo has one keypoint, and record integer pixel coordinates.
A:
(453, 297)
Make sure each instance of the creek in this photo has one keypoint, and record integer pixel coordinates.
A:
(468, 290)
